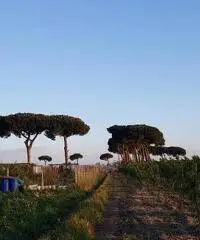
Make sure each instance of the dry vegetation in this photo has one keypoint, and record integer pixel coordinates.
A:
(87, 176)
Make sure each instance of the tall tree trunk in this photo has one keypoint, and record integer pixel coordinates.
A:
(143, 155)
(28, 153)
(134, 159)
(66, 150)
(126, 157)
(147, 155)
(123, 157)
(137, 155)
(29, 143)
(42, 180)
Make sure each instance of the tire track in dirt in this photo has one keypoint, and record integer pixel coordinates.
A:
(135, 212)
(109, 228)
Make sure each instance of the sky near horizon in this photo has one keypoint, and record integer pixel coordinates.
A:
(107, 62)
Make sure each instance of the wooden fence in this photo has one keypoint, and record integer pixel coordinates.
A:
(87, 176)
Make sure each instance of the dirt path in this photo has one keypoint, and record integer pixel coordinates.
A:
(135, 212)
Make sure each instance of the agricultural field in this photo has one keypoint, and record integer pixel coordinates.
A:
(31, 214)
(134, 198)
(99, 121)
(154, 200)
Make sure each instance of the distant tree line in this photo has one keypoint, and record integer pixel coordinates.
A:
(169, 151)
(30, 125)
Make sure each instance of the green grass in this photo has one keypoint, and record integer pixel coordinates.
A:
(31, 215)
(81, 225)
(27, 216)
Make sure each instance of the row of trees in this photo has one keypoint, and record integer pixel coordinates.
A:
(135, 143)
(29, 126)
(73, 157)
(169, 151)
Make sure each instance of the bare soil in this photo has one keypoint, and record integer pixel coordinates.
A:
(141, 212)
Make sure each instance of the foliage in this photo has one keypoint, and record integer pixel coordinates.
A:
(106, 156)
(63, 125)
(45, 158)
(4, 127)
(29, 215)
(148, 134)
(75, 156)
(175, 151)
(26, 125)
(157, 150)
(32, 214)
(182, 176)
(66, 126)
(171, 151)
(30, 125)
(132, 142)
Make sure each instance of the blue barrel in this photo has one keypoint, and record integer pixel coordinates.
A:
(4, 185)
(13, 185)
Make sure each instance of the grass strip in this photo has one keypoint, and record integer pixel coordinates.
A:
(81, 225)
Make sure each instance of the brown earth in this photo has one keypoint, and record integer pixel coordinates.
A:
(136, 212)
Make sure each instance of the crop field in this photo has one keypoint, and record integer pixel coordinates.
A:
(155, 200)
(134, 198)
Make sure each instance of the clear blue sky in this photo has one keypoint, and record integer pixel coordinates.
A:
(108, 62)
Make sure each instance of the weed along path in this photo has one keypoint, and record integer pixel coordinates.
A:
(135, 212)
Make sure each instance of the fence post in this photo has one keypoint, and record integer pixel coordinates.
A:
(42, 183)
(7, 172)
